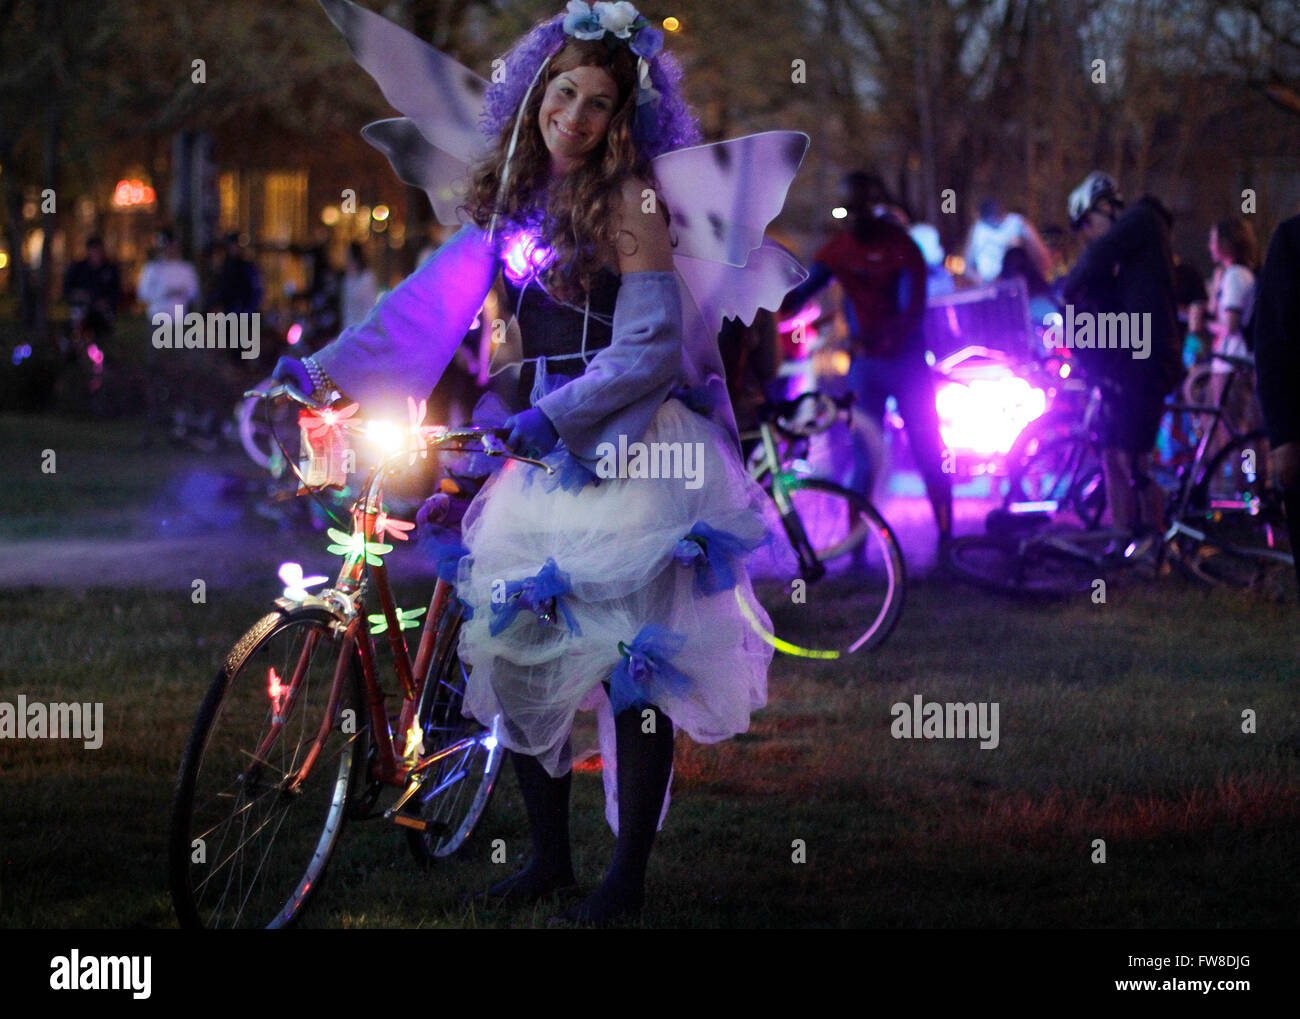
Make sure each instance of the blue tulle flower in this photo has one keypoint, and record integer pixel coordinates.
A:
(713, 554)
(542, 595)
(439, 544)
(644, 674)
(571, 474)
(648, 42)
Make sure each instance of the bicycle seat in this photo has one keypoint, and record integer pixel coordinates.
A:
(807, 414)
(1235, 362)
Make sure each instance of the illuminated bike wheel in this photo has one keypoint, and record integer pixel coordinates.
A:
(1061, 474)
(251, 835)
(856, 602)
(455, 789)
(1018, 566)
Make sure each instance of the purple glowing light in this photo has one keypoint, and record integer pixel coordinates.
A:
(809, 314)
(985, 415)
(525, 256)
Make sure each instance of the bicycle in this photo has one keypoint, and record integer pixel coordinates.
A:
(1223, 526)
(1055, 464)
(849, 564)
(294, 738)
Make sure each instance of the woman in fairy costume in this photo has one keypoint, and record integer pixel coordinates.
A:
(614, 584)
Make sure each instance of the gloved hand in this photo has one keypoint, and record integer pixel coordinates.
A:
(294, 372)
(531, 433)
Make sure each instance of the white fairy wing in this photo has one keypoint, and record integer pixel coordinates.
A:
(440, 175)
(721, 290)
(433, 147)
(722, 197)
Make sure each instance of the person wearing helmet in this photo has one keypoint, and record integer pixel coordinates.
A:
(1127, 268)
(1094, 205)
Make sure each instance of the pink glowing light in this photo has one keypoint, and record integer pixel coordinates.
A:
(295, 334)
(95, 354)
(985, 415)
(276, 691)
(319, 423)
(386, 526)
(809, 314)
(525, 256)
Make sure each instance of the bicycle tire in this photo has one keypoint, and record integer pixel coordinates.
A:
(1246, 544)
(213, 798)
(455, 792)
(1065, 469)
(1021, 567)
(865, 575)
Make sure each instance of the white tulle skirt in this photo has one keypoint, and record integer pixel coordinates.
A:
(619, 545)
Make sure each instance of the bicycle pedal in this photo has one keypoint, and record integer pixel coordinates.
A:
(420, 824)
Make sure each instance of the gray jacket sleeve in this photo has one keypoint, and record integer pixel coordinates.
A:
(626, 382)
(406, 342)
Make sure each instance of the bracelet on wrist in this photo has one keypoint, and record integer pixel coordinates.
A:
(322, 385)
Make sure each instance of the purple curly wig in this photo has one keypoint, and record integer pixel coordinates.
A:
(657, 128)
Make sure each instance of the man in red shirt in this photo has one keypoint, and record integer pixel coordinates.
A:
(883, 274)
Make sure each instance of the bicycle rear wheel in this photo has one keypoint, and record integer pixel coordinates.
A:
(1024, 567)
(855, 604)
(1246, 544)
(251, 834)
(1063, 470)
(458, 768)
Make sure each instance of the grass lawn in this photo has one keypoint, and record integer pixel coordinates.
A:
(1120, 722)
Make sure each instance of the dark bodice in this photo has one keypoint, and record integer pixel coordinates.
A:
(551, 330)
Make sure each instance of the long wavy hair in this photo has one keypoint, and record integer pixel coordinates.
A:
(574, 215)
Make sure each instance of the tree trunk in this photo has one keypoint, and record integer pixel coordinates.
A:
(50, 167)
(921, 65)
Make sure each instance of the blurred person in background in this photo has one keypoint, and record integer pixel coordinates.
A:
(238, 287)
(1228, 315)
(1190, 296)
(884, 274)
(994, 233)
(1276, 335)
(360, 291)
(1127, 268)
(1017, 265)
(1057, 242)
(167, 281)
(92, 287)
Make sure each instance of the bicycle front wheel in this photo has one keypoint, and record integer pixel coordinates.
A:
(264, 782)
(458, 768)
(853, 599)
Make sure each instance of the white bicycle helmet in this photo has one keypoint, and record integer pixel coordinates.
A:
(1095, 187)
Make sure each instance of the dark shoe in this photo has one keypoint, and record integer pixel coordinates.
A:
(600, 909)
(525, 888)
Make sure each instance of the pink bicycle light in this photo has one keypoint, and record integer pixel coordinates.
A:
(985, 415)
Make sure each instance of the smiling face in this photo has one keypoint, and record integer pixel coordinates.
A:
(575, 114)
